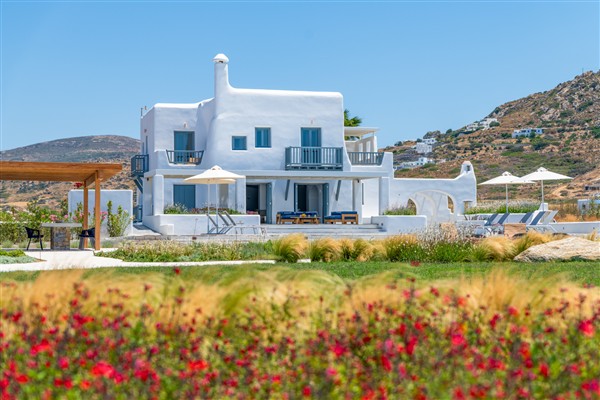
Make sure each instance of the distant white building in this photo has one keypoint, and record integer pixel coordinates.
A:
(431, 141)
(483, 124)
(421, 161)
(527, 132)
(423, 148)
(486, 122)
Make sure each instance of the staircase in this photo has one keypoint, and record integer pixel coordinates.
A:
(365, 231)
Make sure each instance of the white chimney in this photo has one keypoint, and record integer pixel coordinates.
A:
(221, 74)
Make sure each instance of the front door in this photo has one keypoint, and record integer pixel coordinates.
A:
(252, 198)
(311, 198)
(185, 195)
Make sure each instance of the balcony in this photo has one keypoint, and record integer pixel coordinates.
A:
(313, 158)
(139, 164)
(365, 158)
(184, 156)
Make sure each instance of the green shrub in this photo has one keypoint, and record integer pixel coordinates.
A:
(116, 223)
(175, 209)
(408, 210)
(12, 253)
(403, 248)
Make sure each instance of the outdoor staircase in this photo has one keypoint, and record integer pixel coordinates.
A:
(365, 231)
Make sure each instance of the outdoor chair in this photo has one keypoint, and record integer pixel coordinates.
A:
(286, 216)
(239, 227)
(541, 222)
(34, 234)
(497, 227)
(343, 217)
(87, 234)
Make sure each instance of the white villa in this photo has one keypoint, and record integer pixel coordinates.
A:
(527, 132)
(423, 148)
(294, 152)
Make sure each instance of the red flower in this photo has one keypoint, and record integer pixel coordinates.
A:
(457, 340)
(104, 369)
(415, 263)
(592, 386)
(22, 378)
(513, 311)
(85, 384)
(63, 363)
(586, 328)
(306, 391)
(198, 365)
(338, 349)
(544, 370)
(177, 270)
(385, 362)
(41, 347)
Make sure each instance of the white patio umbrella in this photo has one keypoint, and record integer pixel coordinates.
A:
(216, 175)
(542, 174)
(506, 179)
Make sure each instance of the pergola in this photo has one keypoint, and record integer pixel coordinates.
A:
(88, 173)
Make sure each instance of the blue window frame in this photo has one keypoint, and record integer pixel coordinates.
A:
(238, 143)
(263, 137)
(185, 194)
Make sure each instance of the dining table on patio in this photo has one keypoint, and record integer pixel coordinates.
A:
(60, 234)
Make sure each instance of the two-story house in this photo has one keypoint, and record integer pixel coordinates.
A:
(291, 147)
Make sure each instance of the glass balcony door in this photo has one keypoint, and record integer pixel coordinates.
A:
(311, 139)
(184, 144)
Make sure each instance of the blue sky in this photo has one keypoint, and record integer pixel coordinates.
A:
(85, 68)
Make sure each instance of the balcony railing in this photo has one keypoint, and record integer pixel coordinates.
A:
(313, 158)
(185, 156)
(139, 164)
(365, 158)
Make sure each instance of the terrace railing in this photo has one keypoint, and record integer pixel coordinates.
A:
(365, 158)
(185, 156)
(306, 158)
(139, 164)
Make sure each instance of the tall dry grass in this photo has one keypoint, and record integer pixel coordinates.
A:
(280, 292)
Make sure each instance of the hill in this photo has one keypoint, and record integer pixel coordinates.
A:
(570, 144)
(110, 148)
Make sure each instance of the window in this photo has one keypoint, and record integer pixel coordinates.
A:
(238, 143)
(263, 137)
(185, 194)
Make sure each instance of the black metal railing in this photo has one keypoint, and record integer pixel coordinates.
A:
(313, 158)
(184, 156)
(365, 158)
(139, 164)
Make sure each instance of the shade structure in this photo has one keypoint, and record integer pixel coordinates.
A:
(542, 174)
(506, 179)
(215, 176)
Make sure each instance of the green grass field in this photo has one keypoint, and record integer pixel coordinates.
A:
(577, 271)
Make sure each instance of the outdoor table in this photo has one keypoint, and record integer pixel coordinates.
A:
(60, 234)
(307, 220)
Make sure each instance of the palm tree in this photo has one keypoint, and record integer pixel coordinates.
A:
(354, 121)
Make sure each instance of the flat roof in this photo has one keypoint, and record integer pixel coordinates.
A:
(358, 130)
(57, 171)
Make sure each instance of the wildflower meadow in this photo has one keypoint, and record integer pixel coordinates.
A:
(295, 334)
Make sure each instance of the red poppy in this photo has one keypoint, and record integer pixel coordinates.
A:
(177, 270)
(306, 391)
(586, 328)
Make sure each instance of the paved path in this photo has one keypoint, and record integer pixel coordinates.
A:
(76, 259)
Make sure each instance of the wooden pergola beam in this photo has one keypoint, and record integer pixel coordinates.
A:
(88, 173)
